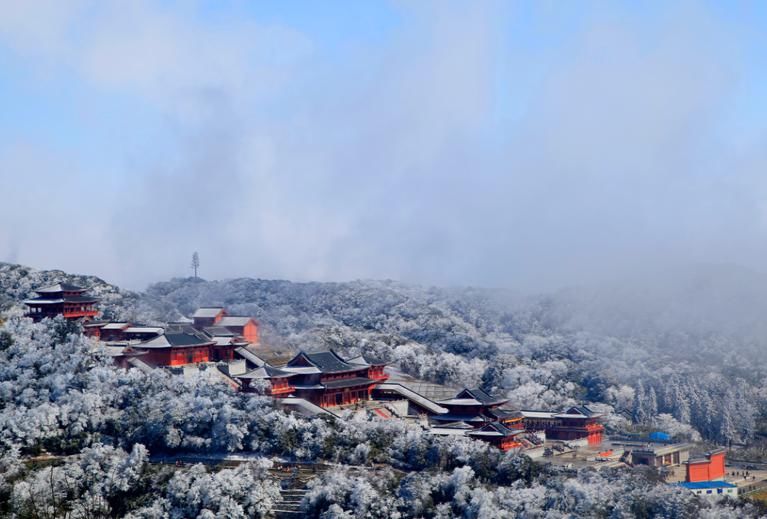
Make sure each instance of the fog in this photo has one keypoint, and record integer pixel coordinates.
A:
(494, 145)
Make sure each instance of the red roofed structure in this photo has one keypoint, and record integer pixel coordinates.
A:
(64, 299)
(323, 378)
(498, 435)
(577, 423)
(216, 316)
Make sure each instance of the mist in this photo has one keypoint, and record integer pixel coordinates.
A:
(494, 145)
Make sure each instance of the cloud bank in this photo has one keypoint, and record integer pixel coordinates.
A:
(469, 145)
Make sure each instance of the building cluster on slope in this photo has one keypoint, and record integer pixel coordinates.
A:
(211, 335)
(313, 382)
(327, 380)
(320, 382)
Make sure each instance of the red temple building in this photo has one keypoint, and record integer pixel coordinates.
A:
(476, 407)
(174, 345)
(577, 423)
(708, 468)
(175, 349)
(110, 332)
(498, 435)
(323, 378)
(64, 299)
(215, 318)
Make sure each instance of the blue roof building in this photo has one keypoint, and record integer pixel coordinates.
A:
(711, 489)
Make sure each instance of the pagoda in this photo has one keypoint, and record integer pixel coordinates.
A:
(64, 299)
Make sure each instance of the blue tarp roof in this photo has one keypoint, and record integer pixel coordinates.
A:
(660, 436)
(699, 485)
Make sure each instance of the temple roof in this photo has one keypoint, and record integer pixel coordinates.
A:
(495, 429)
(706, 457)
(264, 372)
(218, 331)
(233, 320)
(366, 360)
(504, 414)
(182, 328)
(249, 356)
(144, 329)
(63, 299)
(324, 361)
(473, 397)
(175, 340)
(60, 287)
(208, 312)
(115, 326)
(583, 410)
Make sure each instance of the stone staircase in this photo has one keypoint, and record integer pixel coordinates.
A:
(293, 480)
(290, 504)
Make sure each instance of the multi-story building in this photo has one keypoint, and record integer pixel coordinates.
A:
(323, 378)
(64, 299)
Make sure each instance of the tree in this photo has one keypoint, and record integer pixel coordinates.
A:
(195, 263)
(639, 411)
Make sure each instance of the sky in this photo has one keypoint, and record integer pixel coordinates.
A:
(526, 145)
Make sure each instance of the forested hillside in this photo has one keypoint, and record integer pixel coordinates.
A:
(538, 350)
(18, 283)
(542, 351)
(615, 344)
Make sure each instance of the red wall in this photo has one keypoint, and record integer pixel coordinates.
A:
(250, 332)
(711, 469)
(177, 356)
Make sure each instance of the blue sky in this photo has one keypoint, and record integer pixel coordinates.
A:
(515, 144)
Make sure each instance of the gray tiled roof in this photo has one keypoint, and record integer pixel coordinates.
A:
(60, 287)
(233, 320)
(208, 311)
(325, 361)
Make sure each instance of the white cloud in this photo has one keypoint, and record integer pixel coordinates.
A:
(393, 162)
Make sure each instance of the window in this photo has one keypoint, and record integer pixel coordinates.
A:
(719, 491)
(708, 491)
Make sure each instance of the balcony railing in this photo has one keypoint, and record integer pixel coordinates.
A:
(79, 313)
(280, 390)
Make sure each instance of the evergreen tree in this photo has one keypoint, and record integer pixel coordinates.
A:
(652, 404)
(639, 412)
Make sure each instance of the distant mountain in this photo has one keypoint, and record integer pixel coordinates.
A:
(694, 301)
(453, 320)
(700, 300)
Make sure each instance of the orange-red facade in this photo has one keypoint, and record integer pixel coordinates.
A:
(63, 299)
(324, 378)
(177, 356)
(709, 469)
(250, 332)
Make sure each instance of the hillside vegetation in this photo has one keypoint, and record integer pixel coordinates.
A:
(607, 344)
(540, 351)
